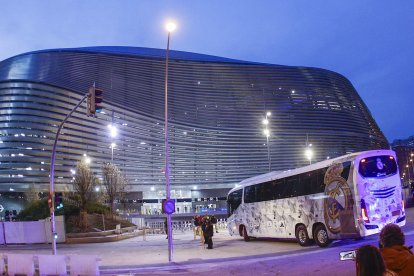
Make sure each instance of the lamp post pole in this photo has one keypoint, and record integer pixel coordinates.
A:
(170, 27)
(267, 133)
(112, 154)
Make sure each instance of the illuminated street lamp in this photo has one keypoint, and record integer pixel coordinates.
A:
(113, 131)
(266, 132)
(309, 153)
(171, 26)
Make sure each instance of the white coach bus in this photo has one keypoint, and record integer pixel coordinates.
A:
(351, 196)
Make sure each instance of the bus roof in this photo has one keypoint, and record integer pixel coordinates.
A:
(323, 164)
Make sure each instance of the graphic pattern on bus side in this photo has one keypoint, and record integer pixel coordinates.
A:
(338, 202)
(278, 218)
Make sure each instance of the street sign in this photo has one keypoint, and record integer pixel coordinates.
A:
(168, 206)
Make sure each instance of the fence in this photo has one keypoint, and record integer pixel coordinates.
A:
(157, 227)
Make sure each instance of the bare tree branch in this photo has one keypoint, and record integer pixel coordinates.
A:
(114, 182)
(84, 183)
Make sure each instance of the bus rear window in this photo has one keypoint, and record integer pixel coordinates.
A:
(377, 166)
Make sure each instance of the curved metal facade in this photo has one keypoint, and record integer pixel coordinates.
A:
(216, 108)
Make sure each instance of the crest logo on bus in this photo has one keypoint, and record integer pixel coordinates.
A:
(338, 200)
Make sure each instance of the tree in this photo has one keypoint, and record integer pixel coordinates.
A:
(114, 182)
(84, 186)
(32, 194)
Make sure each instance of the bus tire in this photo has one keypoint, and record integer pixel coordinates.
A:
(321, 236)
(302, 235)
(245, 235)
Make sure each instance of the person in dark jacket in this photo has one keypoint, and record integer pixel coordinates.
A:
(196, 223)
(397, 256)
(208, 233)
(166, 227)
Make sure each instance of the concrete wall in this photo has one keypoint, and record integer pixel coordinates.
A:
(22, 232)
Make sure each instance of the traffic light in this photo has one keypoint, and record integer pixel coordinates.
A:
(168, 206)
(95, 99)
(98, 100)
(58, 200)
(49, 201)
(7, 215)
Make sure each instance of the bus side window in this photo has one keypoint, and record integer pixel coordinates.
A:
(250, 194)
(309, 183)
(270, 190)
(278, 188)
(347, 167)
(289, 186)
(320, 185)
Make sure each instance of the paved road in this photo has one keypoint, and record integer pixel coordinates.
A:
(230, 256)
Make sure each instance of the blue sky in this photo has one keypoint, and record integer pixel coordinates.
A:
(369, 42)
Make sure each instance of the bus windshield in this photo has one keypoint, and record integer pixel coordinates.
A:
(377, 166)
(234, 200)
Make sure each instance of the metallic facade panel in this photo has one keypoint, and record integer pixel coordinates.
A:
(216, 108)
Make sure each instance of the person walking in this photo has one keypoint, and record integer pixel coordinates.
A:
(166, 227)
(397, 256)
(197, 226)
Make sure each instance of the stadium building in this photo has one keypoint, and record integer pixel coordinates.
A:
(216, 112)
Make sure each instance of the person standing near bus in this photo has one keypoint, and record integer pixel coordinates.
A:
(208, 232)
(214, 222)
(197, 226)
(397, 256)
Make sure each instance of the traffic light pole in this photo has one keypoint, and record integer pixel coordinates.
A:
(52, 176)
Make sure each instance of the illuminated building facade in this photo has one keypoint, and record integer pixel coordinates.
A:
(216, 109)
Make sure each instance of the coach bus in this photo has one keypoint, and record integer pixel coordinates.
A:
(351, 196)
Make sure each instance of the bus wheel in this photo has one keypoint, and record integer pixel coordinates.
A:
(321, 236)
(302, 235)
(245, 236)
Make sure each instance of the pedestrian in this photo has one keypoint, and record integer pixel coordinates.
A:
(208, 232)
(369, 262)
(197, 226)
(166, 227)
(214, 222)
(397, 256)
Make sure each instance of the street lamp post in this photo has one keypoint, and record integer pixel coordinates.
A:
(170, 28)
(267, 134)
(113, 145)
(113, 132)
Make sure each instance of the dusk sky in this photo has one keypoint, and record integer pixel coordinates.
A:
(369, 42)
